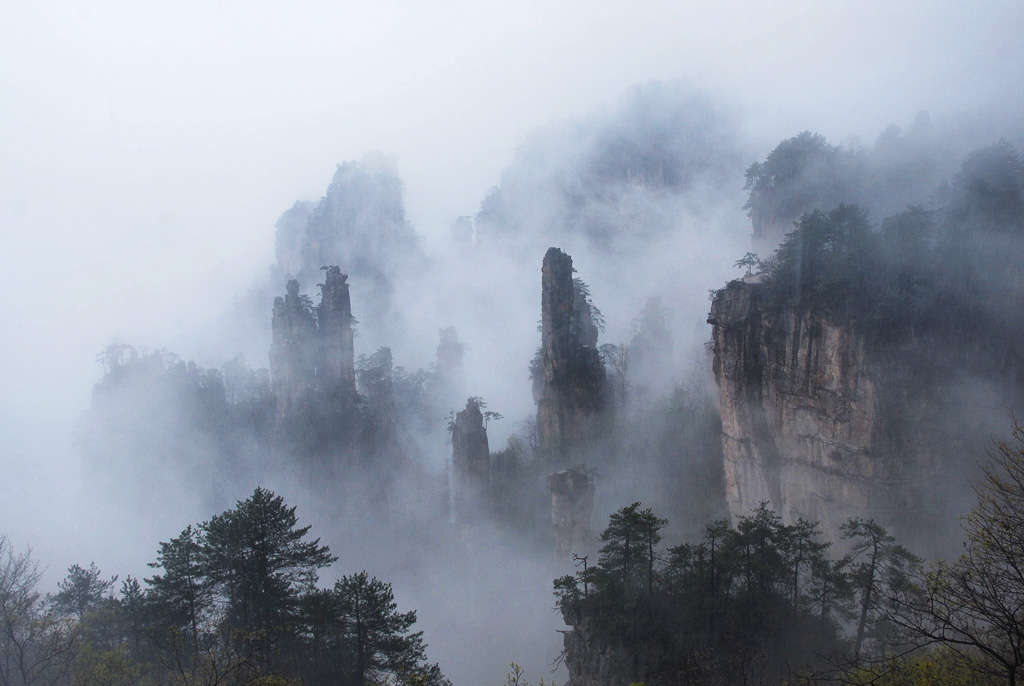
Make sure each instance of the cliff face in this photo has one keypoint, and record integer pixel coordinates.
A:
(471, 460)
(359, 224)
(334, 318)
(569, 381)
(376, 386)
(806, 420)
(293, 352)
(572, 502)
(593, 662)
(312, 349)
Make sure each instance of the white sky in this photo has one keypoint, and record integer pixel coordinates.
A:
(146, 149)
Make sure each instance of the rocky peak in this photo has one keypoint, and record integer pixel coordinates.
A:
(569, 377)
(293, 350)
(335, 330)
(312, 349)
(470, 458)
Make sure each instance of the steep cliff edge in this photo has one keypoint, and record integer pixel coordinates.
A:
(808, 420)
(569, 380)
(471, 461)
(868, 367)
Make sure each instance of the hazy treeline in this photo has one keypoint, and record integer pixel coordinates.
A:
(942, 273)
(764, 602)
(233, 600)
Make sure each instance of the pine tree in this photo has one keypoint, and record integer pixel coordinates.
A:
(257, 561)
(627, 556)
(182, 596)
(378, 635)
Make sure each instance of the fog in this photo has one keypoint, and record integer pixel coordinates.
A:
(149, 151)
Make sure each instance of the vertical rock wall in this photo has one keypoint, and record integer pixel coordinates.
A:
(376, 385)
(804, 426)
(312, 348)
(570, 384)
(572, 502)
(293, 351)
(471, 460)
(334, 316)
(449, 378)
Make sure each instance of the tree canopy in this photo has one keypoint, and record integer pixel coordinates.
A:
(232, 602)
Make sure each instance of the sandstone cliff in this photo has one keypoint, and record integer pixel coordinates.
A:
(595, 662)
(312, 349)
(293, 352)
(471, 460)
(572, 502)
(334, 319)
(447, 383)
(810, 423)
(569, 377)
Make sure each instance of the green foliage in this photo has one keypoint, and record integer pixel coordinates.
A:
(820, 264)
(760, 598)
(82, 591)
(378, 636)
(626, 564)
(989, 190)
(181, 598)
(972, 605)
(515, 677)
(800, 175)
(932, 668)
(234, 604)
(748, 262)
(878, 567)
(586, 319)
(921, 273)
(257, 561)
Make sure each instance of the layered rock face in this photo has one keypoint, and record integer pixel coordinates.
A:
(312, 349)
(592, 661)
(806, 420)
(570, 383)
(471, 460)
(377, 387)
(293, 352)
(334, 317)
(572, 502)
(360, 224)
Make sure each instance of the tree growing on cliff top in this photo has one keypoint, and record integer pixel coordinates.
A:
(748, 262)
(627, 557)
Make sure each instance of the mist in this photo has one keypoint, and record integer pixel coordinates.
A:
(150, 152)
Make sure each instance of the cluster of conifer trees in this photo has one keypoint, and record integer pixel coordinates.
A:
(929, 273)
(234, 601)
(764, 602)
